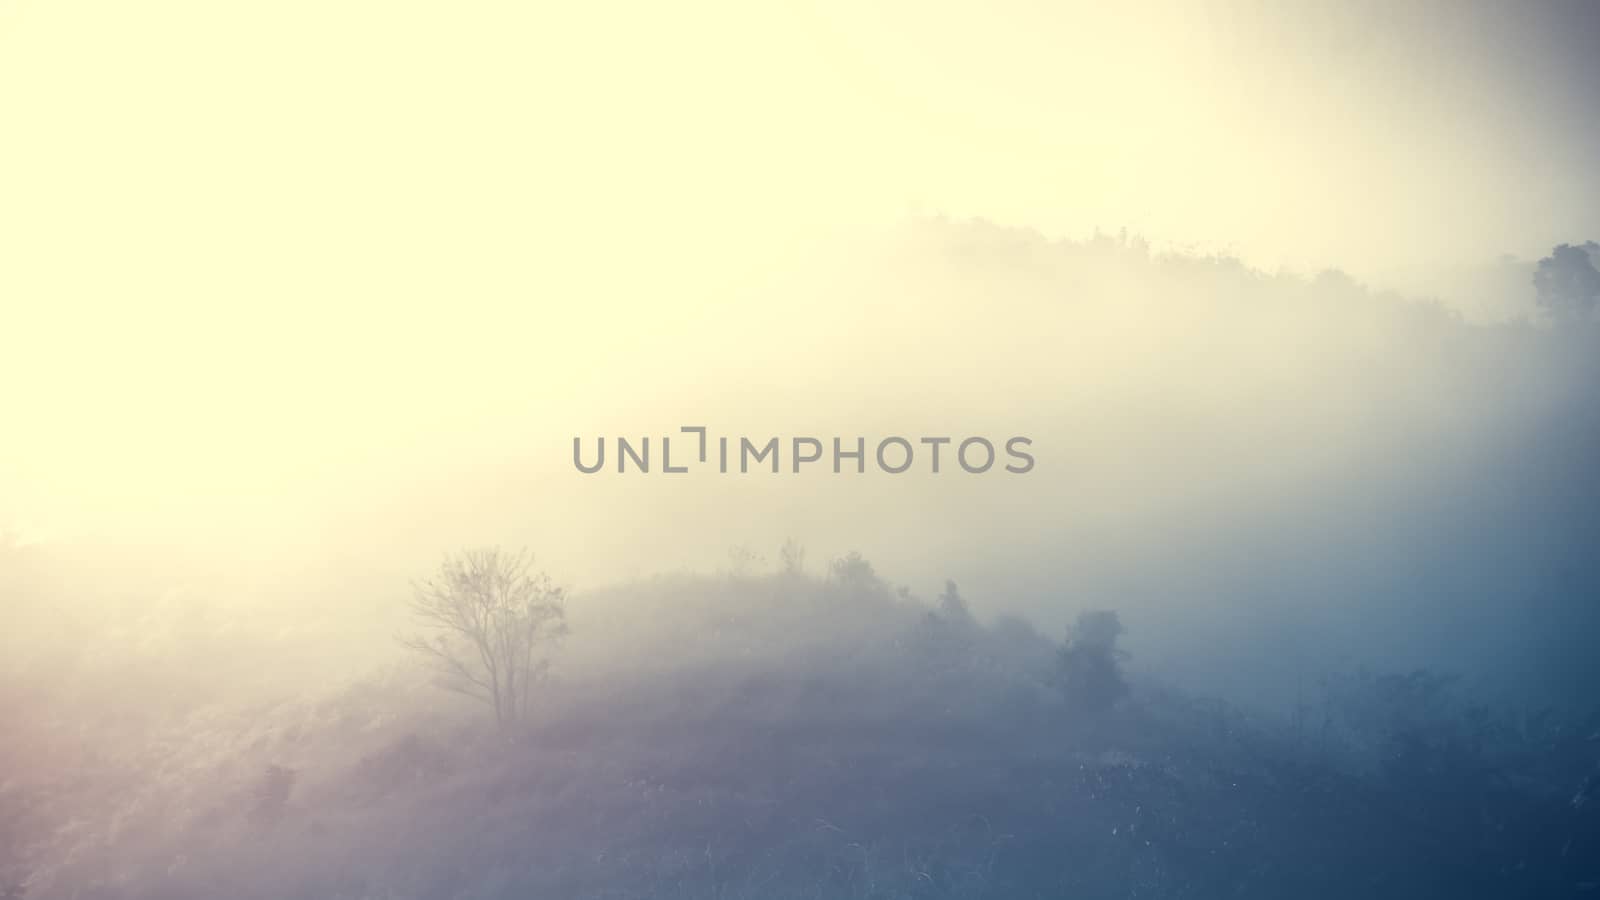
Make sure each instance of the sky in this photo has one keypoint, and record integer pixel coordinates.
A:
(262, 251)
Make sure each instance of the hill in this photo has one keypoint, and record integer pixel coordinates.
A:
(777, 736)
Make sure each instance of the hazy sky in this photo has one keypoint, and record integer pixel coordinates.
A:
(259, 250)
(299, 295)
(1362, 135)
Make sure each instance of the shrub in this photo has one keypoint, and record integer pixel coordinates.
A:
(1090, 663)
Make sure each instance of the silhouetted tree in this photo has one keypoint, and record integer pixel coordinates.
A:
(1567, 281)
(854, 571)
(489, 615)
(793, 557)
(951, 604)
(1091, 664)
(948, 632)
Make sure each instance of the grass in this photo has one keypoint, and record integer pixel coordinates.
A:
(758, 737)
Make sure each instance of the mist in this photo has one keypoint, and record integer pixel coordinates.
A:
(1359, 477)
(303, 310)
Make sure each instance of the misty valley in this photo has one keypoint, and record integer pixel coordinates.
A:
(1296, 597)
(815, 450)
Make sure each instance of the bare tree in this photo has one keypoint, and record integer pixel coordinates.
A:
(488, 617)
(793, 556)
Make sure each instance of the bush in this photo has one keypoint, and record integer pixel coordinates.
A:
(1090, 663)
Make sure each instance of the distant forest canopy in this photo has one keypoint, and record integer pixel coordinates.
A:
(1288, 474)
(1357, 474)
